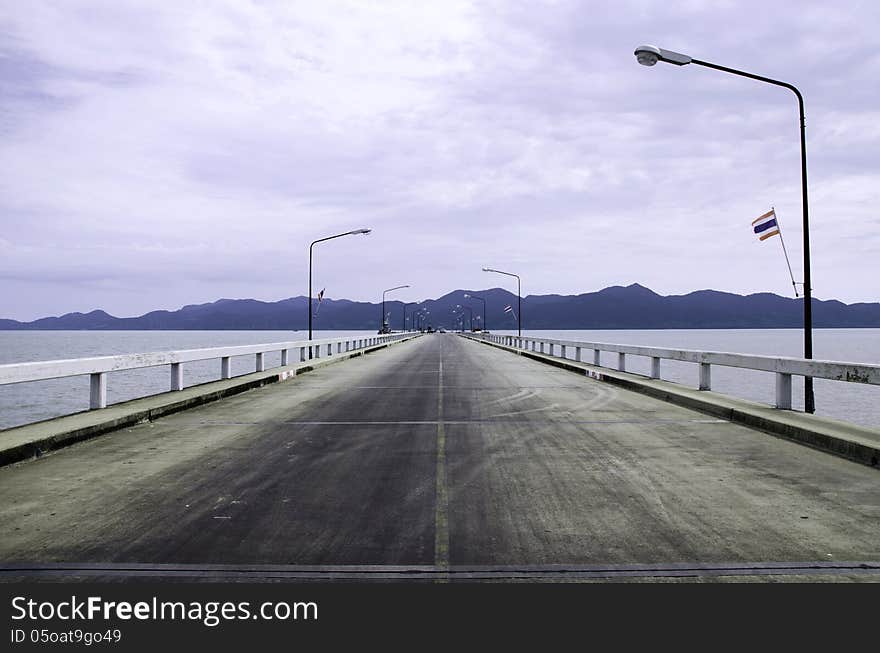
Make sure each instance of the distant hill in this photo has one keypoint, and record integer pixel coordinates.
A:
(617, 307)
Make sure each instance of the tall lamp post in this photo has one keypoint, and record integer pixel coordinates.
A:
(413, 318)
(385, 292)
(485, 319)
(314, 242)
(404, 312)
(470, 316)
(648, 55)
(459, 319)
(422, 313)
(518, 297)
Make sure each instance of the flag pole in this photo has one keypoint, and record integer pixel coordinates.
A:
(785, 251)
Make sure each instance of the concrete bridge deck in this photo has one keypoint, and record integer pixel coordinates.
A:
(441, 456)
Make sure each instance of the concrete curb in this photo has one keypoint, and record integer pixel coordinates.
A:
(857, 443)
(33, 440)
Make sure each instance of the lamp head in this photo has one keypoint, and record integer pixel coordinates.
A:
(648, 55)
(361, 231)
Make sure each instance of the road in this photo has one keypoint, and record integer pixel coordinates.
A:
(441, 454)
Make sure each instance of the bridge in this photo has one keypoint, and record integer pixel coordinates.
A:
(440, 457)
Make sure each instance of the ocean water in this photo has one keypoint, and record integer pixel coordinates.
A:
(29, 402)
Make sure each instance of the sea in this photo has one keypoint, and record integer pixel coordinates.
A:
(24, 403)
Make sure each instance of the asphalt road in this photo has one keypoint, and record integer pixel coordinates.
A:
(441, 453)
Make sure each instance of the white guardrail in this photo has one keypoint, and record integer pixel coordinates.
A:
(783, 367)
(98, 367)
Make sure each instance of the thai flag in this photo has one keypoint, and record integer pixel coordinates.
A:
(508, 309)
(321, 295)
(766, 225)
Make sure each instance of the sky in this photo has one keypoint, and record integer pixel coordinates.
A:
(158, 154)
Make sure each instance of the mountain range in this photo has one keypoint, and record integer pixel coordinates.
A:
(617, 307)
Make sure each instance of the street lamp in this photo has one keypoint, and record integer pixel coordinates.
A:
(404, 312)
(455, 317)
(648, 55)
(518, 297)
(485, 322)
(470, 316)
(458, 318)
(384, 323)
(422, 313)
(321, 240)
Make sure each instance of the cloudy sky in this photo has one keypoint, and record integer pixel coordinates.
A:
(156, 154)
